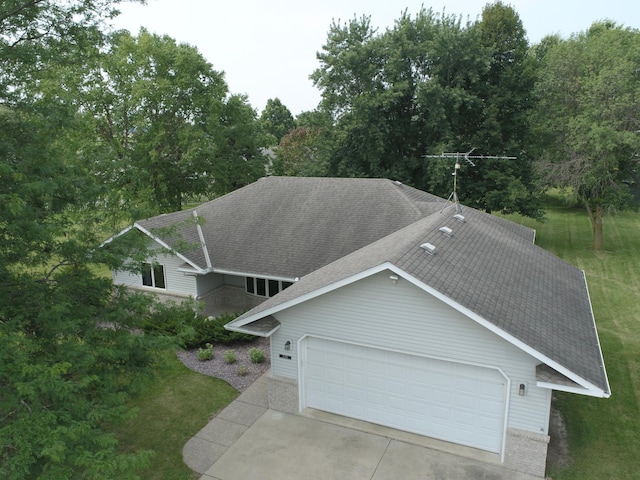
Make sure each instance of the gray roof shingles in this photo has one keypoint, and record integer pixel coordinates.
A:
(492, 269)
(291, 226)
(328, 229)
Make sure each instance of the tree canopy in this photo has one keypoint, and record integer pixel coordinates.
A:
(166, 127)
(432, 84)
(587, 120)
(276, 119)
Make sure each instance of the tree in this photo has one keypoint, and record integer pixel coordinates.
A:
(588, 120)
(162, 118)
(427, 86)
(505, 90)
(276, 119)
(68, 359)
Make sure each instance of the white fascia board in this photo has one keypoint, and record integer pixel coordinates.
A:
(119, 234)
(233, 328)
(314, 294)
(164, 245)
(566, 388)
(249, 274)
(595, 329)
(501, 333)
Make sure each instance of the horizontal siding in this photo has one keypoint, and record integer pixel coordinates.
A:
(378, 313)
(176, 282)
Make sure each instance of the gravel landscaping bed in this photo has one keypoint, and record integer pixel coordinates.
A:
(217, 367)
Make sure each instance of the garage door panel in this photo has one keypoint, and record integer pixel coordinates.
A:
(446, 400)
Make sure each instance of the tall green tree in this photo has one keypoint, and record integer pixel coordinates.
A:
(165, 124)
(505, 90)
(276, 119)
(68, 359)
(429, 84)
(587, 122)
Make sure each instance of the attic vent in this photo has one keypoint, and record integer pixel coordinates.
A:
(459, 217)
(429, 248)
(446, 230)
(397, 182)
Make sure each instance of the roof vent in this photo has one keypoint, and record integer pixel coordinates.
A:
(446, 230)
(429, 248)
(397, 182)
(459, 217)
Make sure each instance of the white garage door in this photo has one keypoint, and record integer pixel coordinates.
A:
(445, 400)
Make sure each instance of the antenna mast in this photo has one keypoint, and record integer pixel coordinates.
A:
(466, 156)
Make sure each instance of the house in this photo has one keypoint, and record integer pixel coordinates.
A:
(237, 250)
(391, 306)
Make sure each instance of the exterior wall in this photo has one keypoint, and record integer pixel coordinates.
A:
(378, 313)
(177, 283)
(526, 452)
(209, 282)
(283, 394)
(228, 299)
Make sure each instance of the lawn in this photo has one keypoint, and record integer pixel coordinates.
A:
(174, 406)
(604, 434)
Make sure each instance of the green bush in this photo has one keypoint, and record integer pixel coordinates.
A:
(206, 353)
(229, 356)
(256, 355)
(243, 370)
(212, 330)
(189, 326)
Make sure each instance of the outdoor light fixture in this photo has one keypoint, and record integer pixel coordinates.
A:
(287, 345)
(393, 278)
(521, 390)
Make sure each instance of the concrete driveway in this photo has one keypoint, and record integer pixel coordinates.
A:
(249, 441)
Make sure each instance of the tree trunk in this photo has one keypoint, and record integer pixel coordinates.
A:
(597, 228)
(595, 217)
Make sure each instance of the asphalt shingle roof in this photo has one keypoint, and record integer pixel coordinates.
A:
(328, 229)
(291, 226)
(491, 268)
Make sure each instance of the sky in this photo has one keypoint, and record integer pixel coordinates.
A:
(267, 49)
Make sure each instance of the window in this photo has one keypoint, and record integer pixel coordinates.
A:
(263, 287)
(153, 275)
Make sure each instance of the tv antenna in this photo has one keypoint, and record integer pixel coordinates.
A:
(469, 159)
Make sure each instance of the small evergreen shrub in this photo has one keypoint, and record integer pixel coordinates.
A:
(256, 355)
(206, 353)
(189, 326)
(243, 370)
(229, 357)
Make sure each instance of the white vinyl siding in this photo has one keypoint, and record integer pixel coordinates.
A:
(378, 313)
(175, 282)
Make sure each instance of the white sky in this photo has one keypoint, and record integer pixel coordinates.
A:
(267, 49)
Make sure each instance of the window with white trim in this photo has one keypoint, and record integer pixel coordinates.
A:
(153, 275)
(262, 287)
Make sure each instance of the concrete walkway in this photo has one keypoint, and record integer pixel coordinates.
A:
(247, 440)
(210, 443)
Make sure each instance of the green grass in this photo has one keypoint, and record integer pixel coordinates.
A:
(604, 434)
(172, 408)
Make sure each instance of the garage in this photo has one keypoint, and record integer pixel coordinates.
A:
(450, 401)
